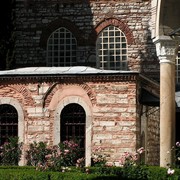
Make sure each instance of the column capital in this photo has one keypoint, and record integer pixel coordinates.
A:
(166, 49)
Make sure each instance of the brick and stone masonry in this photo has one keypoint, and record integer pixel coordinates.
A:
(111, 102)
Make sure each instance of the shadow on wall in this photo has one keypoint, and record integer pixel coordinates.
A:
(6, 35)
(75, 18)
(150, 66)
(64, 33)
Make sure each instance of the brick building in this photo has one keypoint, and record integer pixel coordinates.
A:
(84, 69)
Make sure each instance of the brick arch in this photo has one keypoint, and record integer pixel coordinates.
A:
(23, 91)
(115, 22)
(51, 27)
(55, 87)
(89, 92)
(50, 92)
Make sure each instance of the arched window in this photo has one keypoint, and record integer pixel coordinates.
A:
(8, 122)
(73, 124)
(112, 49)
(61, 48)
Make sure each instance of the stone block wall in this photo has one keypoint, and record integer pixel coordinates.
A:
(150, 134)
(109, 102)
(114, 124)
(36, 20)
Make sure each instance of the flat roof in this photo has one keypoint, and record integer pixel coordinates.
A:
(60, 71)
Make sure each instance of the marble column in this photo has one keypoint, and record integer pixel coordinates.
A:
(166, 49)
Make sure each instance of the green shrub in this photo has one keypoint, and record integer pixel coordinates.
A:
(69, 153)
(36, 154)
(104, 170)
(63, 155)
(160, 173)
(32, 174)
(93, 173)
(135, 172)
(10, 152)
(56, 158)
(98, 159)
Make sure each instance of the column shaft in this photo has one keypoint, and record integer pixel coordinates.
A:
(167, 113)
(166, 49)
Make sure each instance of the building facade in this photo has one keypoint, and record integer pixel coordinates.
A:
(91, 57)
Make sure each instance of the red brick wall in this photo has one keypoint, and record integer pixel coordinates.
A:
(112, 102)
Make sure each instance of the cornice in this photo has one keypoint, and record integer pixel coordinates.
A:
(72, 78)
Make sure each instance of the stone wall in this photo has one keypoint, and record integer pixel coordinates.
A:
(36, 20)
(110, 101)
(150, 134)
(114, 125)
(110, 105)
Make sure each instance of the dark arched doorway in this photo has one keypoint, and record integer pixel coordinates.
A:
(8, 122)
(72, 126)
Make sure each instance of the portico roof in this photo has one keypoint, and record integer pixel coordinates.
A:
(60, 71)
(166, 17)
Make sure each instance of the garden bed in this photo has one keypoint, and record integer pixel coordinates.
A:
(64, 162)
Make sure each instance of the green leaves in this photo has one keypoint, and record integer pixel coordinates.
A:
(11, 152)
(53, 158)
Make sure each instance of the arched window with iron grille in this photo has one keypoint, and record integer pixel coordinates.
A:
(111, 49)
(61, 48)
(8, 122)
(73, 119)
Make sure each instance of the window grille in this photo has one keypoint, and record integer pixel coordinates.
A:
(8, 122)
(73, 124)
(112, 49)
(61, 48)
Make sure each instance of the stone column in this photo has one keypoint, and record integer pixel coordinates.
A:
(166, 51)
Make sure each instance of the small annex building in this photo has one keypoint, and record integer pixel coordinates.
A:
(98, 107)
